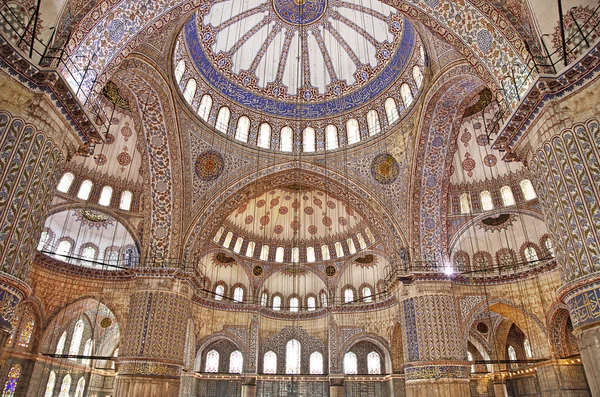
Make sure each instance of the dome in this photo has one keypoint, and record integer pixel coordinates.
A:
(298, 65)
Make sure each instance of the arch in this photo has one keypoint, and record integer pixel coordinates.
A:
(487, 203)
(378, 342)
(308, 140)
(270, 363)
(391, 110)
(350, 364)
(65, 386)
(65, 182)
(190, 91)
(293, 357)
(105, 196)
(286, 139)
(85, 189)
(331, 137)
(264, 136)
(417, 75)
(373, 122)
(205, 107)
(508, 198)
(242, 129)
(316, 363)
(560, 327)
(126, 199)
(222, 122)
(179, 70)
(352, 131)
(406, 94)
(527, 190)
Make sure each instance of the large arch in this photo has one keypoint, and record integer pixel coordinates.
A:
(475, 28)
(223, 202)
(446, 99)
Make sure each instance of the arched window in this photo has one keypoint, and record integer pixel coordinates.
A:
(250, 249)
(339, 249)
(212, 361)
(76, 339)
(470, 358)
(276, 302)
(88, 254)
(391, 110)
(264, 136)
(549, 246)
(373, 363)
(406, 95)
(63, 249)
(264, 253)
(65, 182)
(219, 234)
(507, 196)
(294, 304)
(126, 198)
(50, 384)
(348, 295)
(238, 294)
(527, 189)
(236, 362)
(179, 70)
(530, 254)
(310, 254)
(263, 299)
(65, 387)
(527, 348)
(512, 355)
(85, 189)
(26, 332)
(311, 303)
(465, 204)
(286, 139)
(373, 122)
(292, 357)
(361, 240)
(331, 137)
(308, 139)
(228, 238)
(205, 107)
(350, 364)
(422, 52)
(316, 363)
(351, 246)
(219, 292)
(279, 254)
(295, 254)
(238, 245)
(367, 295)
(87, 351)
(128, 257)
(11, 382)
(270, 363)
(486, 200)
(352, 131)
(418, 76)
(323, 299)
(105, 196)
(222, 123)
(80, 387)
(44, 237)
(190, 91)
(325, 252)
(243, 126)
(60, 346)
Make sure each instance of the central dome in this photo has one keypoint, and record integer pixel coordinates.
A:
(300, 12)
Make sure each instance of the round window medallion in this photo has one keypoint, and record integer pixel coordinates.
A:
(105, 322)
(209, 165)
(482, 327)
(385, 169)
(330, 270)
(257, 271)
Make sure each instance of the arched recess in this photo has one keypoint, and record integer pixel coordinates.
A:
(208, 260)
(446, 100)
(94, 309)
(500, 38)
(376, 340)
(207, 343)
(560, 329)
(397, 350)
(208, 219)
(145, 84)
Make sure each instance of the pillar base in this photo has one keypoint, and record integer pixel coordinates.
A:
(146, 386)
(589, 346)
(438, 388)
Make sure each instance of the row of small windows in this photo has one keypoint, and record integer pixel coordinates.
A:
(15, 373)
(508, 199)
(85, 189)
(339, 249)
(308, 134)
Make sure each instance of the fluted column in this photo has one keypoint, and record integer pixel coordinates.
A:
(566, 175)
(435, 364)
(35, 141)
(152, 348)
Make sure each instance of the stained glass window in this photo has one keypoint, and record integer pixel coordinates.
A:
(11, 382)
(222, 123)
(352, 131)
(350, 364)
(65, 387)
(331, 137)
(243, 126)
(228, 239)
(80, 387)
(286, 139)
(465, 204)
(295, 254)
(65, 182)
(76, 339)
(50, 384)
(339, 250)
(507, 196)
(219, 292)
(418, 76)
(212, 361)
(527, 348)
(351, 246)
(406, 95)
(527, 189)
(366, 292)
(325, 252)
(26, 333)
(310, 254)
(263, 299)
(190, 91)
(276, 303)
(486, 200)
(43, 240)
(238, 245)
(373, 363)
(60, 346)
(348, 295)
(13, 322)
(264, 136)
(88, 254)
(292, 357)
(125, 203)
(236, 362)
(373, 122)
(311, 303)
(85, 189)
(512, 354)
(294, 304)
(105, 196)
(308, 139)
(316, 363)
(549, 246)
(250, 249)
(264, 253)
(179, 70)
(391, 110)
(279, 252)
(205, 107)
(63, 249)
(530, 254)
(87, 350)
(323, 299)
(270, 363)
(238, 294)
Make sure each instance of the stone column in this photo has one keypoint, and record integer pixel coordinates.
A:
(435, 364)
(152, 349)
(566, 175)
(35, 141)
